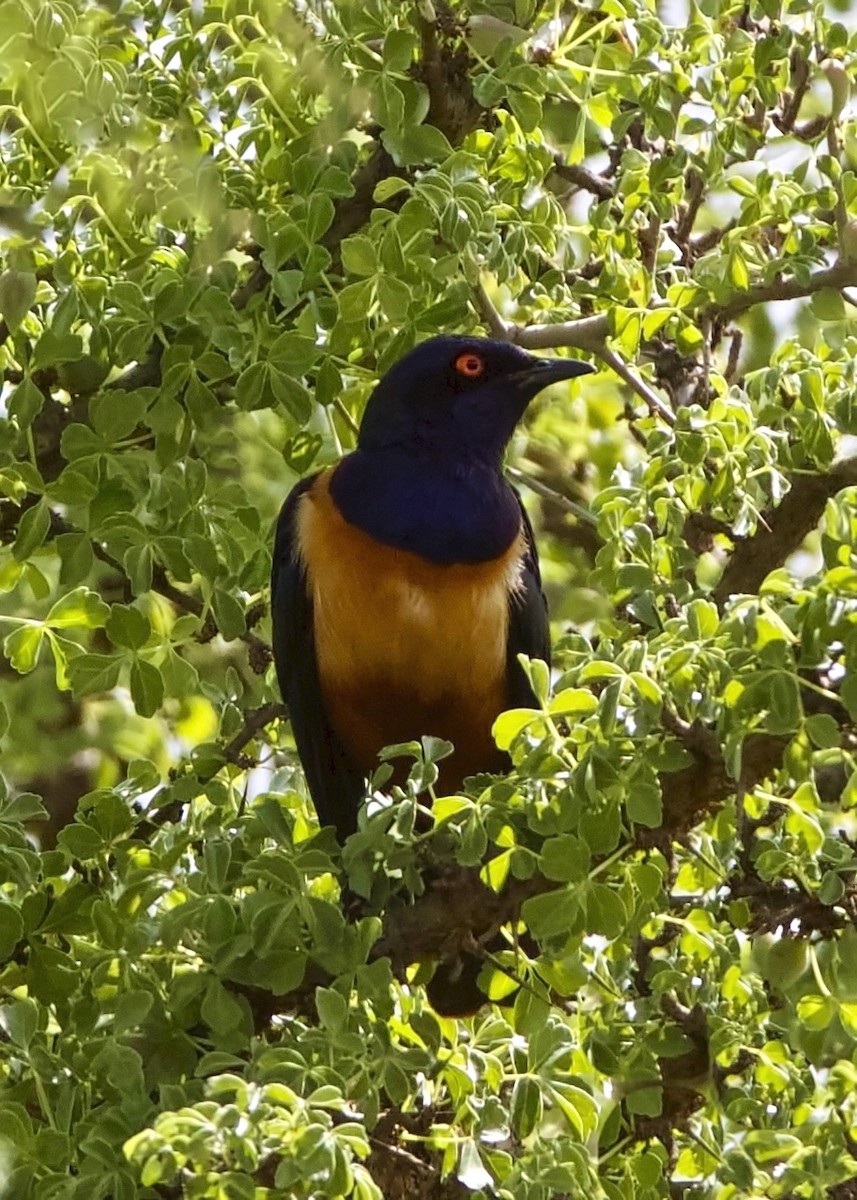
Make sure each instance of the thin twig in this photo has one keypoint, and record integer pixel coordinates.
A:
(734, 355)
(398, 1152)
(652, 399)
(488, 310)
(800, 83)
(588, 333)
(584, 179)
(704, 242)
(255, 720)
(346, 415)
(557, 498)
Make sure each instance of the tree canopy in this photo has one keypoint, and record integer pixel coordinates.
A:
(219, 223)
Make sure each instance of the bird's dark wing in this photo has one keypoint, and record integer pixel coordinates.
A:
(335, 784)
(529, 631)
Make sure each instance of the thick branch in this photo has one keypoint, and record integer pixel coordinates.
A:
(783, 530)
(586, 180)
(459, 909)
(694, 196)
(775, 906)
(840, 275)
(586, 333)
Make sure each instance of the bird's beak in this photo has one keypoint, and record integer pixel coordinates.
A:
(542, 372)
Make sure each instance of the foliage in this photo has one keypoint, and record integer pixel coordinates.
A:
(220, 222)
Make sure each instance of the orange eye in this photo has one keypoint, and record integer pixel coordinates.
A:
(470, 365)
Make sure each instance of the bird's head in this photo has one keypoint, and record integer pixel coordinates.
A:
(458, 397)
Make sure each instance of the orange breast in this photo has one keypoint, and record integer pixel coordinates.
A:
(406, 647)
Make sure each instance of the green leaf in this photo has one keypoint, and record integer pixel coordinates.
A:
(53, 349)
(115, 414)
(147, 687)
(394, 298)
(320, 215)
(565, 858)
(354, 300)
(80, 841)
(415, 145)
(332, 1009)
(605, 912)
(599, 669)
(132, 1008)
(81, 607)
(510, 724)
(823, 731)
(738, 272)
(79, 441)
(22, 809)
(128, 627)
(783, 703)
(294, 354)
(25, 403)
(556, 913)
(292, 395)
(253, 389)
(399, 48)
(91, 673)
(229, 614)
(77, 557)
(573, 702)
(816, 1012)
(644, 804)
(388, 188)
(359, 256)
(32, 530)
(19, 1019)
(388, 104)
(525, 1110)
(11, 930)
(828, 305)
(17, 293)
(22, 646)
(220, 1009)
(137, 561)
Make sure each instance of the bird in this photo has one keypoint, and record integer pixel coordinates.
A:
(405, 578)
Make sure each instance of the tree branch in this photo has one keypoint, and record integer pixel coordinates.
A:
(490, 315)
(840, 275)
(458, 909)
(586, 180)
(639, 385)
(694, 196)
(585, 333)
(548, 493)
(782, 531)
(255, 720)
